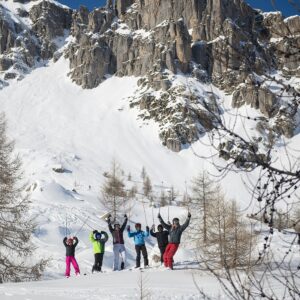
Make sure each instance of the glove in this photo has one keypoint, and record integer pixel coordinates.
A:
(95, 231)
(125, 216)
(147, 228)
(159, 216)
(128, 228)
(189, 215)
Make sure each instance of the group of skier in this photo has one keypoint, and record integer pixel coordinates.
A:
(168, 239)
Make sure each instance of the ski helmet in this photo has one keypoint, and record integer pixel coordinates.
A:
(97, 235)
(160, 227)
(138, 225)
(175, 221)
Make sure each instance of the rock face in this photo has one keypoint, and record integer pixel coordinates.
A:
(17, 46)
(49, 20)
(169, 28)
(224, 42)
(284, 39)
(22, 46)
(257, 97)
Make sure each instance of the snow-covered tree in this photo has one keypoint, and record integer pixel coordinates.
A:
(16, 228)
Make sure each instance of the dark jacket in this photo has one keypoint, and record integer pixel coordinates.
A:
(117, 234)
(175, 232)
(70, 249)
(162, 237)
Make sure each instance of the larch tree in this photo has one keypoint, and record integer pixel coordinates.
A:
(147, 186)
(229, 239)
(16, 228)
(204, 193)
(113, 193)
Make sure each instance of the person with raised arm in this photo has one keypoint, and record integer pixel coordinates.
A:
(139, 240)
(118, 243)
(175, 232)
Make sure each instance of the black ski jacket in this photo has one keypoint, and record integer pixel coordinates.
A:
(175, 232)
(70, 249)
(162, 237)
(117, 234)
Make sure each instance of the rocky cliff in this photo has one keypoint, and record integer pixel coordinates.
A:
(221, 42)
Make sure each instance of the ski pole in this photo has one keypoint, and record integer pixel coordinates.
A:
(81, 227)
(152, 213)
(145, 213)
(85, 222)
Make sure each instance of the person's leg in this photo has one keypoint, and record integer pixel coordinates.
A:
(162, 251)
(145, 255)
(138, 256)
(123, 256)
(96, 265)
(166, 255)
(116, 257)
(171, 253)
(101, 255)
(68, 263)
(75, 265)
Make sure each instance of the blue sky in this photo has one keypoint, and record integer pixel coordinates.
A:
(265, 5)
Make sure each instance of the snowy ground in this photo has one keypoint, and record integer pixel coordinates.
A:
(118, 285)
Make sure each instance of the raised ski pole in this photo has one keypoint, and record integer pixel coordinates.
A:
(84, 221)
(66, 225)
(81, 226)
(145, 212)
(152, 213)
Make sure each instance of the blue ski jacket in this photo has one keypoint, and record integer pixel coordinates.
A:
(139, 236)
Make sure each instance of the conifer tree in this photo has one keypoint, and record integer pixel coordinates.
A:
(16, 228)
(204, 192)
(113, 193)
(147, 186)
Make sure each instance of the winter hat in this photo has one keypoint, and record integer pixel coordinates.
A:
(97, 235)
(117, 224)
(175, 221)
(160, 227)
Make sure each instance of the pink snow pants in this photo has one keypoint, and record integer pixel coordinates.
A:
(69, 260)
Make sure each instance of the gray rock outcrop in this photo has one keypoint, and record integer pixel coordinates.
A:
(224, 42)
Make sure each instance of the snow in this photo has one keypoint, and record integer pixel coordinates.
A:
(117, 285)
(13, 6)
(272, 13)
(291, 18)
